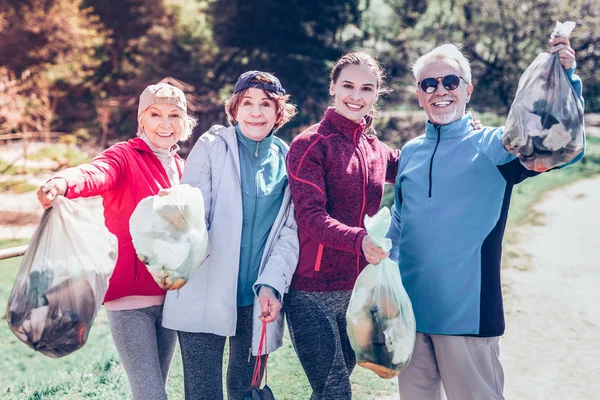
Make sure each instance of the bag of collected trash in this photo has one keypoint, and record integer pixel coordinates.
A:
(169, 235)
(62, 279)
(544, 127)
(255, 392)
(380, 319)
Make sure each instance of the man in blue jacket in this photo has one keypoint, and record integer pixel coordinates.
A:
(452, 197)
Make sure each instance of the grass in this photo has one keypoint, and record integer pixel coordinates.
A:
(17, 186)
(94, 372)
(532, 190)
(65, 156)
(8, 169)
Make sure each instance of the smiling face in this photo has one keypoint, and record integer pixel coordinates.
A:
(355, 91)
(256, 114)
(443, 106)
(163, 124)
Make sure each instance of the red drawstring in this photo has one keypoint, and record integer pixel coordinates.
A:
(257, 364)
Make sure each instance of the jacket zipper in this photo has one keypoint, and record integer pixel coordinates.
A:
(253, 221)
(364, 203)
(273, 234)
(319, 255)
(438, 129)
(256, 151)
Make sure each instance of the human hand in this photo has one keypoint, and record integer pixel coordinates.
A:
(477, 125)
(164, 192)
(562, 46)
(49, 190)
(374, 254)
(269, 305)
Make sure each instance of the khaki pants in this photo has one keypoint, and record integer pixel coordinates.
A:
(453, 368)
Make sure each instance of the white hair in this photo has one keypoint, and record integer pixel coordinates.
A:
(446, 52)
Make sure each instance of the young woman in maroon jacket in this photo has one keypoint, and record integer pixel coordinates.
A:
(123, 175)
(338, 169)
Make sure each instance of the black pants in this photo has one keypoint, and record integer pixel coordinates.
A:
(202, 355)
(317, 324)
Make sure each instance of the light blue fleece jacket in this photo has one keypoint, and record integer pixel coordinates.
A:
(452, 197)
(264, 179)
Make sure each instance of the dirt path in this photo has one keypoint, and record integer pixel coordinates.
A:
(551, 348)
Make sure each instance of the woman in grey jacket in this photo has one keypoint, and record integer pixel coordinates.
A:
(253, 242)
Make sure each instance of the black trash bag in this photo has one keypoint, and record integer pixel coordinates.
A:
(544, 127)
(255, 392)
(260, 394)
(62, 280)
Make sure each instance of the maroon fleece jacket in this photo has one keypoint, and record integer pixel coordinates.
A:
(337, 174)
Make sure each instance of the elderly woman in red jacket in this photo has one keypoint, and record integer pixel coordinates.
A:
(123, 175)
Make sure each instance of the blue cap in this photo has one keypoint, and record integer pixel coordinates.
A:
(245, 82)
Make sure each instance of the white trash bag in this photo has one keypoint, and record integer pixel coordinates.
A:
(62, 279)
(169, 235)
(380, 320)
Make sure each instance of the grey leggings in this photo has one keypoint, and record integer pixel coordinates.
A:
(317, 324)
(202, 355)
(145, 349)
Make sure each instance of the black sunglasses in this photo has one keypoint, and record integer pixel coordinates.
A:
(450, 82)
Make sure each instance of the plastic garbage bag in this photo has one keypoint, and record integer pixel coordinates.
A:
(544, 127)
(169, 235)
(380, 319)
(62, 280)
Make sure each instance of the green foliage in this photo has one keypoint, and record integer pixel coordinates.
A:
(11, 169)
(64, 156)
(77, 138)
(16, 186)
(297, 40)
(95, 371)
(531, 190)
(43, 45)
(68, 64)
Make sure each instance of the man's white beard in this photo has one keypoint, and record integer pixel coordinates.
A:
(448, 117)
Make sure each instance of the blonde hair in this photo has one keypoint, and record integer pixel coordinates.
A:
(447, 52)
(285, 111)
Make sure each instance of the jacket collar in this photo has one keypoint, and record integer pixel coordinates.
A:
(343, 125)
(141, 145)
(258, 149)
(454, 129)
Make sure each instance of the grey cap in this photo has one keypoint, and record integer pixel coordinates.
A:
(162, 93)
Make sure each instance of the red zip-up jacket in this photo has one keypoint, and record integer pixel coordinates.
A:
(337, 174)
(123, 175)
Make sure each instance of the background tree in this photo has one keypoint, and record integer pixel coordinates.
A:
(297, 40)
(503, 37)
(81, 64)
(44, 44)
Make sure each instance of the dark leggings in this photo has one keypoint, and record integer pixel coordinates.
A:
(202, 355)
(317, 324)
